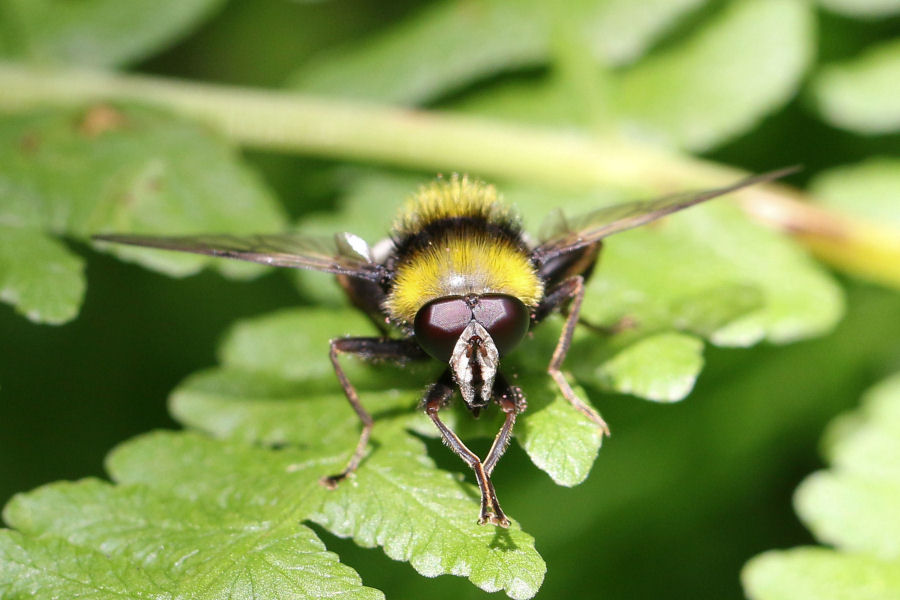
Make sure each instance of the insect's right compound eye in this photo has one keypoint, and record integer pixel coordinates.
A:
(439, 324)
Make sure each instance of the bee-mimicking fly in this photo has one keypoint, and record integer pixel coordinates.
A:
(462, 285)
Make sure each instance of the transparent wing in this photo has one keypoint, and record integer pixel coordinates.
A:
(588, 229)
(343, 254)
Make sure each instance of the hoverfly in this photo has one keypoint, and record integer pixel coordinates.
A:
(461, 283)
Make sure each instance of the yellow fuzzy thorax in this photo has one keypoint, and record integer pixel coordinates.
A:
(457, 261)
(460, 265)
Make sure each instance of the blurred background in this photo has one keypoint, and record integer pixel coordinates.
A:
(683, 494)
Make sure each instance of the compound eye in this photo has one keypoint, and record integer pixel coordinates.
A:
(506, 318)
(439, 324)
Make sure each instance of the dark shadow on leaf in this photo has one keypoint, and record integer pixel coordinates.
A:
(502, 540)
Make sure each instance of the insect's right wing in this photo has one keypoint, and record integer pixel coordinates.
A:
(344, 254)
(561, 236)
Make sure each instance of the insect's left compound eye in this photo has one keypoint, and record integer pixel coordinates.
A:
(439, 324)
(506, 318)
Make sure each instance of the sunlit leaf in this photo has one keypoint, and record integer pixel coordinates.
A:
(743, 64)
(820, 574)
(398, 500)
(870, 189)
(39, 276)
(155, 545)
(863, 9)
(114, 169)
(861, 94)
(851, 506)
(97, 32)
(474, 39)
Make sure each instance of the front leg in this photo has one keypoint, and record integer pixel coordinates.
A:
(512, 402)
(437, 397)
(371, 349)
(570, 291)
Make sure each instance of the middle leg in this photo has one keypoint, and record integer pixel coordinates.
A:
(571, 292)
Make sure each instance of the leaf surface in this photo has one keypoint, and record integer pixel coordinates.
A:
(419, 514)
(97, 32)
(852, 506)
(175, 547)
(861, 94)
(114, 169)
(744, 63)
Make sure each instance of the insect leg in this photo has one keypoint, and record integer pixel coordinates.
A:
(372, 349)
(571, 290)
(437, 397)
(512, 402)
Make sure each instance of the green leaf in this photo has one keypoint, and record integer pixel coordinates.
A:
(174, 547)
(50, 567)
(853, 507)
(861, 94)
(398, 500)
(43, 280)
(820, 574)
(115, 169)
(869, 189)
(257, 407)
(654, 275)
(474, 39)
(97, 32)
(559, 440)
(660, 367)
(294, 344)
(745, 63)
(863, 9)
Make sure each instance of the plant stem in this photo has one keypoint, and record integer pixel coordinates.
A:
(438, 141)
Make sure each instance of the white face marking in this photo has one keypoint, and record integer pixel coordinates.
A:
(475, 365)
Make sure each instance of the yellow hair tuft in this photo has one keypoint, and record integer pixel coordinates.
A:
(458, 196)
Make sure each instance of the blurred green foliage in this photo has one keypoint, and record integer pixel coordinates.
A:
(678, 499)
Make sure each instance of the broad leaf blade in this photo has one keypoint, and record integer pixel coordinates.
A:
(853, 506)
(869, 189)
(39, 276)
(863, 9)
(398, 500)
(51, 567)
(186, 548)
(117, 169)
(97, 32)
(820, 574)
(473, 40)
(258, 407)
(861, 94)
(743, 64)
(559, 440)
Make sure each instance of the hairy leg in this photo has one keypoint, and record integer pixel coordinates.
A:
(571, 292)
(436, 398)
(371, 349)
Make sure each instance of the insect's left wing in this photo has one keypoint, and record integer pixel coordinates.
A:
(344, 254)
(588, 229)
